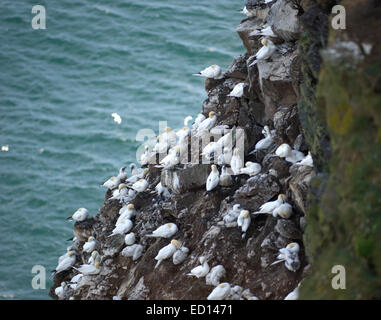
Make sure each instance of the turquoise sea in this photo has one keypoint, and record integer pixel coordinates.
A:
(58, 89)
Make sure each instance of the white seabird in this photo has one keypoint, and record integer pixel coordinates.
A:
(90, 245)
(284, 211)
(68, 249)
(135, 251)
(237, 91)
(93, 257)
(135, 170)
(226, 179)
(122, 174)
(59, 291)
(251, 168)
(235, 293)
(180, 255)
(80, 215)
(293, 295)
(230, 219)
(220, 292)
(162, 191)
(144, 158)
(291, 155)
(270, 206)
(264, 31)
(89, 269)
(119, 193)
(213, 179)
(122, 228)
(140, 186)
(290, 256)
(307, 161)
(66, 263)
(129, 239)
(243, 221)
(111, 183)
(200, 118)
(171, 160)
(127, 212)
(215, 274)
(265, 142)
(212, 72)
(169, 136)
(263, 53)
(165, 231)
(236, 162)
(207, 124)
(167, 251)
(200, 271)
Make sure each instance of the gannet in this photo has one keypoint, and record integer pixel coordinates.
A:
(162, 191)
(135, 251)
(200, 271)
(270, 206)
(171, 160)
(161, 145)
(165, 231)
(76, 278)
(291, 155)
(236, 162)
(180, 255)
(243, 221)
(141, 173)
(307, 161)
(265, 142)
(226, 140)
(59, 291)
(209, 149)
(68, 249)
(251, 168)
(236, 293)
(225, 178)
(80, 215)
(120, 193)
(169, 136)
(213, 72)
(122, 175)
(182, 134)
(213, 179)
(167, 251)
(230, 219)
(89, 269)
(93, 256)
(290, 256)
(264, 31)
(215, 274)
(127, 211)
(90, 245)
(263, 53)
(129, 239)
(225, 157)
(200, 118)
(220, 292)
(135, 170)
(111, 183)
(144, 158)
(284, 211)
(66, 263)
(140, 186)
(293, 295)
(122, 228)
(207, 124)
(237, 91)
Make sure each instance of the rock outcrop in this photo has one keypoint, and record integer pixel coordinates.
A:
(280, 93)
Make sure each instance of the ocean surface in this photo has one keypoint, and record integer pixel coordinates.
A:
(58, 89)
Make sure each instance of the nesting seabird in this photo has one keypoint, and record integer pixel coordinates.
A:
(123, 227)
(80, 215)
(135, 251)
(263, 53)
(270, 206)
(90, 245)
(171, 160)
(129, 239)
(212, 72)
(230, 219)
(251, 168)
(165, 231)
(236, 162)
(226, 179)
(237, 91)
(167, 251)
(266, 142)
(144, 158)
(162, 191)
(111, 183)
(220, 292)
(93, 256)
(89, 269)
(66, 263)
(265, 31)
(140, 186)
(200, 118)
(243, 221)
(202, 270)
(307, 161)
(290, 155)
(59, 291)
(127, 212)
(213, 179)
(215, 274)
(207, 124)
(180, 255)
(284, 211)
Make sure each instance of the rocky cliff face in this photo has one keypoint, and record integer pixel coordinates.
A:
(285, 93)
